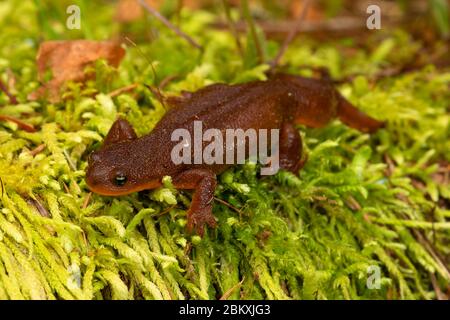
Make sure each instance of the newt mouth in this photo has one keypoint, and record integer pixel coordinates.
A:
(107, 192)
(121, 191)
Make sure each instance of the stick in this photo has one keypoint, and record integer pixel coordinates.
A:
(228, 205)
(164, 82)
(159, 95)
(123, 89)
(167, 210)
(232, 27)
(3, 188)
(335, 27)
(69, 160)
(11, 97)
(86, 200)
(39, 207)
(251, 24)
(440, 260)
(169, 25)
(38, 149)
(22, 125)
(439, 294)
(291, 34)
(228, 293)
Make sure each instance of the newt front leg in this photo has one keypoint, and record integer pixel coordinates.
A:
(204, 182)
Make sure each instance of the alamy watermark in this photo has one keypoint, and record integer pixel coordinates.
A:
(74, 279)
(374, 20)
(74, 19)
(373, 277)
(230, 146)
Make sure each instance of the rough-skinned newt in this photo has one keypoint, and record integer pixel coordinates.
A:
(126, 163)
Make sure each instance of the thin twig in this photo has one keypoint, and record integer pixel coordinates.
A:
(37, 150)
(11, 79)
(169, 25)
(66, 188)
(39, 207)
(167, 210)
(86, 200)
(429, 247)
(228, 205)
(11, 97)
(122, 90)
(390, 165)
(159, 95)
(251, 24)
(164, 82)
(22, 125)
(3, 188)
(352, 203)
(228, 293)
(69, 160)
(232, 27)
(414, 64)
(291, 34)
(178, 11)
(339, 26)
(439, 294)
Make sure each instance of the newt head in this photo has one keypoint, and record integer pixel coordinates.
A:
(114, 170)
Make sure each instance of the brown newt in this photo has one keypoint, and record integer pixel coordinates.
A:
(126, 163)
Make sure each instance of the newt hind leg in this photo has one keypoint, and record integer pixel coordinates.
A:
(204, 183)
(290, 148)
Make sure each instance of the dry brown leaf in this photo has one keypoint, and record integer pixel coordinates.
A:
(313, 14)
(131, 10)
(67, 61)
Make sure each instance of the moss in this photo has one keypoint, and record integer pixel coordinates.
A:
(360, 201)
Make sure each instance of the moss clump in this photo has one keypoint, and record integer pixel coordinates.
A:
(361, 202)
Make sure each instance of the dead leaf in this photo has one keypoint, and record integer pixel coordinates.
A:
(313, 14)
(67, 61)
(131, 10)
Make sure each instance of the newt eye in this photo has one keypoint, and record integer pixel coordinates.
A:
(120, 179)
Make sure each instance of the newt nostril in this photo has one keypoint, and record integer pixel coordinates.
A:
(92, 178)
(93, 157)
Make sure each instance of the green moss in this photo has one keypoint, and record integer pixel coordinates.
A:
(311, 236)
